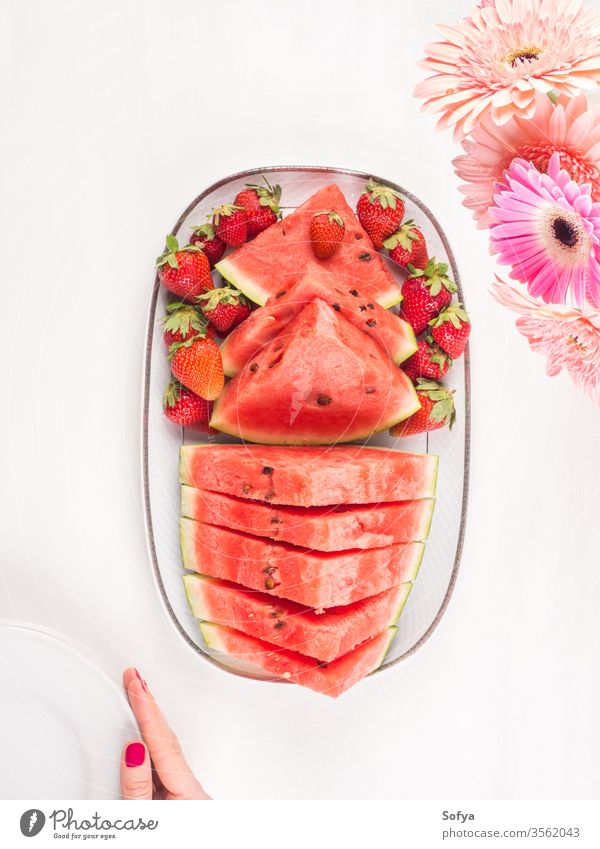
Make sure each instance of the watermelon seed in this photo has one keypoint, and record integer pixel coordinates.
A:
(371, 306)
(269, 583)
(254, 367)
(354, 292)
(267, 470)
(268, 570)
(323, 400)
(365, 257)
(279, 624)
(281, 294)
(246, 488)
(336, 307)
(275, 520)
(362, 308)
(358, 235)
(371, 322)
(369, 390)
(277, 611)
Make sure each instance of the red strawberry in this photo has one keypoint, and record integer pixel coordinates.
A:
(407, 246)
(425, 294)
(186, 409)
(184, 271)
(451, 330)
(428, 361)
(261, 204)
(224, 308)
(182, 322)
(380, 210)
(206, 238)
(198, 365)
(327, 231)
(437, 410)
(231, 224)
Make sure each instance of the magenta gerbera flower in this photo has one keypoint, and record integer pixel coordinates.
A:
(546, 227)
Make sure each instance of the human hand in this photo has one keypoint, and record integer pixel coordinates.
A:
(156, 767)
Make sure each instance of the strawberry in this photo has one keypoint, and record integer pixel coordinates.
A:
(206, 238)
(186, 409)
(184, 271)
(198, 365)
(407, 246)
(224, 308)
(437, 410)
(231, 224)
(182, 322)
(380, 210)
(451, 330)
(425, 294)
(327, 231)
(428, 361)
(261, 204)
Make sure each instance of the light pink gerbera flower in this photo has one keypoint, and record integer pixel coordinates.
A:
(569, 129)
(569, 338)
(546, 227)
(493, 62)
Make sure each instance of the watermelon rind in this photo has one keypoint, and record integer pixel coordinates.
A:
(392, 630)
(403, 594)
(210, 634)
(256, 293)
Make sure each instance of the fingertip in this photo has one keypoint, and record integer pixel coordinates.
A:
(134, 753)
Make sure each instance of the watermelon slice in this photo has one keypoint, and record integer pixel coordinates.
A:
(331, 679)
(313, 578)
(278, 257)
(323, 636)
(320, 381)
(391, 333)
(324, 528)
(307, 477)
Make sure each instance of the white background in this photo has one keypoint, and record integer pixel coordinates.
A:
(116, 114)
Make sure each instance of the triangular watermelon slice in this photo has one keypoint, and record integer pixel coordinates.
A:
(321, 381)
(391, 333)
(331, 679)
(278, 257)
(323, 636)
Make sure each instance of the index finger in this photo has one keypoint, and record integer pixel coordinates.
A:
(163, 745)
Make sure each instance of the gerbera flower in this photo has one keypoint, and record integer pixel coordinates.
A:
(569, 338)
(493, 62)
(569, 129)
(546, 227)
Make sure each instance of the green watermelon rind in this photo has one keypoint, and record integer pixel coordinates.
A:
(404, 591)
(227, 269)
(392, 633)
(260, 438)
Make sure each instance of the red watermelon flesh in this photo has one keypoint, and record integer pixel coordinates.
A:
(309, 476)
(278, 257)
(391, 333)
(324, 528)
(323, 636)
(331, 679)
(321, 381)
(314, 578)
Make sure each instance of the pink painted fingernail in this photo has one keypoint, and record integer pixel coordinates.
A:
(135, 754)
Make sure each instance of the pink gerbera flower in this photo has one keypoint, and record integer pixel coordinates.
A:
(569, 129)
(493, 62)
(569, 338)
(546, 227)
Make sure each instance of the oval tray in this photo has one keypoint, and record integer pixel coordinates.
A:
(161, 439)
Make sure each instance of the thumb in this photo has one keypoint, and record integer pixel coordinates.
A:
(136, 771)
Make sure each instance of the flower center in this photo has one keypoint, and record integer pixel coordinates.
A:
(565, 232)
(522, 55)
(574, 341)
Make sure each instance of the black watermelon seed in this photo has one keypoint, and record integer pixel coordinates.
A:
(267, 470)
(279, 624)
(281, 294)
(362, 308)
(371, 322)
(365, 257)
(371, 306)
(336, 307)
(354, 292)
(254, 367)
(358, 235)
(268, 570)
(323, 400)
